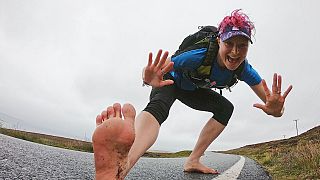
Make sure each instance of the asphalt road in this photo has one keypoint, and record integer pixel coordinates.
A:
(21, 159)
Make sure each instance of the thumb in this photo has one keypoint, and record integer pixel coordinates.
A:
(259, 106)
(166, 82)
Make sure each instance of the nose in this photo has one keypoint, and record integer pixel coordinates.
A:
(235, 49)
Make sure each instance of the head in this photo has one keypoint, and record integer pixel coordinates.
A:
(234, 39)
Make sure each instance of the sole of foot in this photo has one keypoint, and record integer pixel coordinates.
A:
(112, 140)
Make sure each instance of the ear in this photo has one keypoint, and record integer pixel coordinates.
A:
(218, 40)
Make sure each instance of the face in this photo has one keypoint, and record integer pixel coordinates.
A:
(232, 52)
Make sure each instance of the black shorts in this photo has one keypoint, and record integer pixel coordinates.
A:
(161, 100)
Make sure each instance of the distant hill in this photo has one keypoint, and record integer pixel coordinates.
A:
(293, 158)
(312, 136)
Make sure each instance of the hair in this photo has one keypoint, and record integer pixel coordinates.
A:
(237, 19)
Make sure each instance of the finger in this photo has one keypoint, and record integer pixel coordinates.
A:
(156, 61)
(265, 87)
(117, 110)
(163, 59)
(274, 84)
(285, 94)
(150, 59)
(167, 68)
(166, 82)
(279, 84)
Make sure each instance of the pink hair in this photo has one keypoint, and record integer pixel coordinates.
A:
(237, 19)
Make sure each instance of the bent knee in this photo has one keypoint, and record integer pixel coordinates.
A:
(159, 109)
(224, 114)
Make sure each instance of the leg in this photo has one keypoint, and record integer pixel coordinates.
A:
(206, 100)
(147, 130)
(148, 122)
(117, 145)
(208, 134)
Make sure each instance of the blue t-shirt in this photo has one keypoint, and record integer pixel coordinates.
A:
(221, 76)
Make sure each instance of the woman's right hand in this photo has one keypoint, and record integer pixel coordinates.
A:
(153, 73)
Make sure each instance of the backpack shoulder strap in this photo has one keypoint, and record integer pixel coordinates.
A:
(204, 70)
(239, 70)
(206, 66)
(236, 75)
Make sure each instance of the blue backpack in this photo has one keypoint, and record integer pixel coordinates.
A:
(206, 37)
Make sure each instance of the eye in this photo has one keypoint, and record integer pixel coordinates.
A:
(228, 44)
(243, 45)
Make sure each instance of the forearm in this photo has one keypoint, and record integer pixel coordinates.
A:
(259, 91)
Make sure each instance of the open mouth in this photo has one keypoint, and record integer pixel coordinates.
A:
(233, 59)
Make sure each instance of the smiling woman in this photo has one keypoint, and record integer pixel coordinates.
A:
(170, 80)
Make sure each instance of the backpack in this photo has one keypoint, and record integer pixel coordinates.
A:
(206, 37)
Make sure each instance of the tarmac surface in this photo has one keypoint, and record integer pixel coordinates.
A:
(21, 160)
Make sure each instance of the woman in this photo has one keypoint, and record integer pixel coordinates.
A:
(118, 146)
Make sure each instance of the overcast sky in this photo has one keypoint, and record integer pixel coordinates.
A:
(62, 62)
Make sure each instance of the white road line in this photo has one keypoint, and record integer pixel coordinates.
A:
(233, 172)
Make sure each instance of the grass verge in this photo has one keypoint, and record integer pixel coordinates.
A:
(49, 140)
(76, 145)
(167, 155)
(294, 158)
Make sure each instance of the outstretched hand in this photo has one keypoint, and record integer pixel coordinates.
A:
(274, 100)
(153, 73)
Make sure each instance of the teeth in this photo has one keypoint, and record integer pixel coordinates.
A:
(230, 59)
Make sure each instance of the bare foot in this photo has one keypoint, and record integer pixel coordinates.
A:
(112, 140)
(196, 166)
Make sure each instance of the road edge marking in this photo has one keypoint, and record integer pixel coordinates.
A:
(233, 172)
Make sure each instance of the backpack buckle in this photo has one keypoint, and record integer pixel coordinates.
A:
(228, 88)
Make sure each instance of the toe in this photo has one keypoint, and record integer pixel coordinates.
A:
(110, 112)
(98, 120)
(129, 112)
(104, 115)
(213, 171)
(117, 110)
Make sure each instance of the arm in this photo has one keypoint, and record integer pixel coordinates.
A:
(153, 73)
(259, 91)
(273, 101)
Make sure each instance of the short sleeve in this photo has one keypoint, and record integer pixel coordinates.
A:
(250, 75)
(189, 59)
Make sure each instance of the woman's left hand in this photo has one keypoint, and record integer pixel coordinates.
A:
(274, 104)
